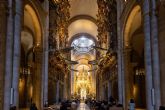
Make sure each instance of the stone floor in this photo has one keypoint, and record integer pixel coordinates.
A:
(83, 106)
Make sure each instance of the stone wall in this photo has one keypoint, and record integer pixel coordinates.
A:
(2, 48)
(161, 21)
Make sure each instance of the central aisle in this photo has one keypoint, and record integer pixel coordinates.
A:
(83, 106)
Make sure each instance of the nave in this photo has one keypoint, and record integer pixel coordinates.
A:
(110, 51)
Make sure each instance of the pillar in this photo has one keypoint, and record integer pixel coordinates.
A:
(65, 90)
(69, 86)
(17, 49)
(122, 90)
(72, 80)
(155, 55)
(101, 90)
(97, 87)
(37, 77)
(46, 56)
(147, 49)
(93, 79)
(128, 77)
(8, 60)
(109, 89)
(119, 56)
(57, 89)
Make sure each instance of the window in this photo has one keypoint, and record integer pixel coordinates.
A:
(83, 44)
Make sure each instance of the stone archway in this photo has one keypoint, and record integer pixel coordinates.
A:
(31, 40)
(134, 58)
(36, 26)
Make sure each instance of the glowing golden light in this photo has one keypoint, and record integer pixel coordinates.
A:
(134, 90)
(83, 84)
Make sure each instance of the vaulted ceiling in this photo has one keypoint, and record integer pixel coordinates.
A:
(83, 7)
(83, 20)
(84, 12)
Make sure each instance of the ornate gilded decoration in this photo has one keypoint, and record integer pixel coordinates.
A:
(58, 34)
(57, 65)
(107, 67)
(107, 61)
(63, 16)
(107, 35)
(102, 21)
(83, 85)
(106, 22)
(112, 28)
(60, 20)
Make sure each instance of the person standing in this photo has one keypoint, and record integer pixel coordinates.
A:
(132, 104)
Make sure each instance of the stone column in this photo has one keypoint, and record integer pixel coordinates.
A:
(155, 55)
(122, 91)
(17, 49)
(46, 56)
(119, 55)
(101, 90)
(97, 87)
(128, 77)
(148, 59)
(69, 85)
(109, 89)
(57, 91)
(37, 77)
(72, 80)
(65, 90)
(9, 54)
(93, 74)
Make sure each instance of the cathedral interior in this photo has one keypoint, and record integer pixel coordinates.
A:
(53, 51)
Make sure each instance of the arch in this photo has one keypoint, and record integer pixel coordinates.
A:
(33, 28)
(87, 35)
(36, 23)
(84, 55)
(83, 61)
(85, 65)
(79, 59)
(82, 26)
(129, 24)
(87, 17)
(133, 45)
